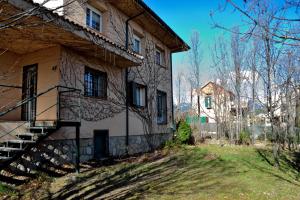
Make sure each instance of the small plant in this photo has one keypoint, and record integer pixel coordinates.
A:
(170, 144)
(245, 137)
(184, 133)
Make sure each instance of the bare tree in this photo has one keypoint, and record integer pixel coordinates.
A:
(237, 53)
(194, 76)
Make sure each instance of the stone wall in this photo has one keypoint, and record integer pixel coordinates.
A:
(66, 149)
(137, 143)
(59, 152)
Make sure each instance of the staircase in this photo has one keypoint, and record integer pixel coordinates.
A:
(14, 144)
(23, 142)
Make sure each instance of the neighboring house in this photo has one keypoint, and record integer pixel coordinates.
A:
(215, 103)
(63, 77)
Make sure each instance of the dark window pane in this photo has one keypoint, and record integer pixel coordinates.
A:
(95, 21)
(88, 16)
(161, 107)
(95, 83)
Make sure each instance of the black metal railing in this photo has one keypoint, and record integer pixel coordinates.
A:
(68, 103)
(68, 106)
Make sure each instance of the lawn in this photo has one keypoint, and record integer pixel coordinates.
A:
(204, 172)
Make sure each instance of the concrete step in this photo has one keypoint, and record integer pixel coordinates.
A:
(4, 158)
(28, 136)
(18, 143)
(21, 141)
(9, 149)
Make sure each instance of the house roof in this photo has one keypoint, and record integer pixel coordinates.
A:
(150, 19)
(75, 35)
(216, 86)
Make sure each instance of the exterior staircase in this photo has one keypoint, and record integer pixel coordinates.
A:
(11, 149)
(18, 139)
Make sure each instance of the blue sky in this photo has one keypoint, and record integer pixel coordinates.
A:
(186, 16)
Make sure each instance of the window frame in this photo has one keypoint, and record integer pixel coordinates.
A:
(133, 85)
(95, 10)
(209, 102)
(135, 37)
(164, 111)
(162, 59)
(160, 55)
(98, 73)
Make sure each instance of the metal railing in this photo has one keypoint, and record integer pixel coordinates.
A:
(68, 103)
(68, 106)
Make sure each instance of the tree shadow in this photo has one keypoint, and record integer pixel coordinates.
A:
(286, 164)
(187, 174)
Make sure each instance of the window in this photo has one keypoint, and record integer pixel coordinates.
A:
(161, 107)
(159, 57)
(95, 83)
(207, 102)
(138, 94)
(93, 18)
(136, 44)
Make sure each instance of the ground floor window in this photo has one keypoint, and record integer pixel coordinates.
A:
(161, 107)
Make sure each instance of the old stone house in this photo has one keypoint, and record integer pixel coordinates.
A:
(96, 74)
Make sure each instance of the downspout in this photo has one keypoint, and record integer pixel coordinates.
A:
(172, 106)
(126, 79)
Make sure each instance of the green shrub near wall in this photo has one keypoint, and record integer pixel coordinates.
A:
(184, 132)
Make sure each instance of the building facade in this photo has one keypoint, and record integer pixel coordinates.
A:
(103, 65)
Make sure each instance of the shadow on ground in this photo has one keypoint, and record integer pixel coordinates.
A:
(188, 173)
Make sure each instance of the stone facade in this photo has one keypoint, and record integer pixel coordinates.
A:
(137, 143)
(64, 151)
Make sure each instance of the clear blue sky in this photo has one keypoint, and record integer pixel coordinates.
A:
(186, 16)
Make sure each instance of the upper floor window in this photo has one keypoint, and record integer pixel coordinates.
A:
(207, 102)
(138, 94)
(159, 57)
(136, 44)
(95, 83)
(161, 107)
(93, 18)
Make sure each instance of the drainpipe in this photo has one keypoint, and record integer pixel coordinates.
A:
(172, 106)
(126, 79)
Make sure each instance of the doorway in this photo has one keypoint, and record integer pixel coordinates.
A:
(101, 141)
(29, 90)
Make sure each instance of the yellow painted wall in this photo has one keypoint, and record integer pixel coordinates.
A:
(11, 69)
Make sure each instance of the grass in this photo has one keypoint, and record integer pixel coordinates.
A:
(205, 172)
(6, 190)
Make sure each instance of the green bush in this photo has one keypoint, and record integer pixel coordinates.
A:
(184, 133)
(245, 137)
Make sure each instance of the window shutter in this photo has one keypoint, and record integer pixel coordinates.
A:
(105, 85)
(134, 97)
(146, 96)
(130, 92)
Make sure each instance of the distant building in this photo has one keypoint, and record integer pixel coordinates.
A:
(215, 103)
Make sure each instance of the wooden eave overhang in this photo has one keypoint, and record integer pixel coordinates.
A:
(151, 22)
(46, 28)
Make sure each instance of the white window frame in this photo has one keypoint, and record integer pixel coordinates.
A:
(140, 96)
(135, 37)
(92, 9)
